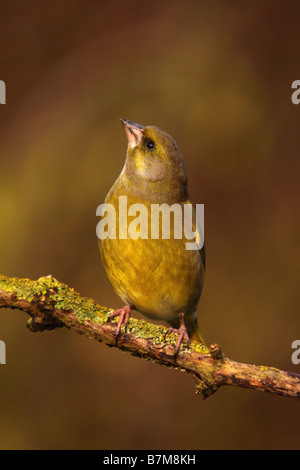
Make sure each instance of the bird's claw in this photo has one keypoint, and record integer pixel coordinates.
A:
(183, 335)
(124, 315)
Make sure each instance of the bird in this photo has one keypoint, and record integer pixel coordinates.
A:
(157, 276)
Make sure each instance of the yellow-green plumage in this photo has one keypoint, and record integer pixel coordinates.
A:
(159, 277)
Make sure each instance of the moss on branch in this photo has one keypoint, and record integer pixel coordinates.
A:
(51, 304)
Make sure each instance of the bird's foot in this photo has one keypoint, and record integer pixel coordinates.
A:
(182, 332)
(124, 315)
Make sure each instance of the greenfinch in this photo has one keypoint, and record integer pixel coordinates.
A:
(155, 275)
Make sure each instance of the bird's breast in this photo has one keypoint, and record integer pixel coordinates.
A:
(157, 275)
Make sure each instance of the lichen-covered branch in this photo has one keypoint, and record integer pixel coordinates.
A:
(51, 304)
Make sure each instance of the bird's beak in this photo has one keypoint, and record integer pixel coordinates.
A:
(134, 132)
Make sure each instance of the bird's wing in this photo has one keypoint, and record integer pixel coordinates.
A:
(199, 234)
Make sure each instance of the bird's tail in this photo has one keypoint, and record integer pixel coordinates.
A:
(193, 331)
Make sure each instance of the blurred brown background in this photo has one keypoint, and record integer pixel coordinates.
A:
(217, 76)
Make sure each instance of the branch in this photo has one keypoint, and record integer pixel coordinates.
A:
(51, 304)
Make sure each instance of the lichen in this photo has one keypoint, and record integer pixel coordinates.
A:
(265, 369)
(63, 297)
(49, 290)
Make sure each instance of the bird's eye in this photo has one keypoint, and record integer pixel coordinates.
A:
(150, 144)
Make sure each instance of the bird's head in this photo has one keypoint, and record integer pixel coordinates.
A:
(154, 157)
